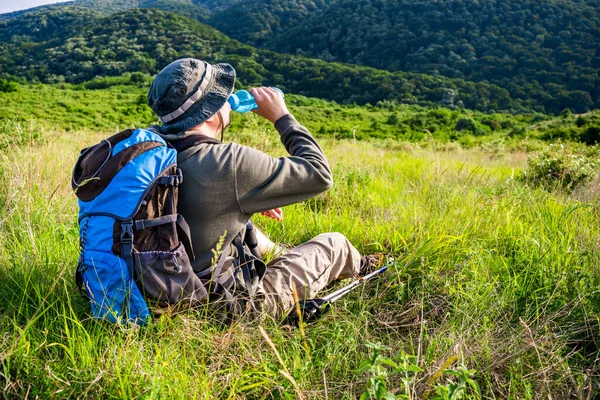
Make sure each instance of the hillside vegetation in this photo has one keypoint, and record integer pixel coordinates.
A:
(255, 22)
(77, 44)
(111, 104)
(541, 52)
(196, 9)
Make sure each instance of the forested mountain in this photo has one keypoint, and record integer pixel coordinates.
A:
(49, 7)
(547, 50)
(77, 44)
(544, 52)
(199, 10)
(196, 9)
(255, 22)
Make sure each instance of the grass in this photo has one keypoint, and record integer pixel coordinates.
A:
(491, 276)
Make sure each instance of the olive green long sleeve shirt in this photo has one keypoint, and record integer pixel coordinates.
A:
(224, 184)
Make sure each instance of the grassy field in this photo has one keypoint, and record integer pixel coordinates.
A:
(495, 293)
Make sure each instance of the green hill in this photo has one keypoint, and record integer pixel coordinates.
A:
(254, 22)
(200, 10)
(543, 50)
(77, 44)
(544, 53)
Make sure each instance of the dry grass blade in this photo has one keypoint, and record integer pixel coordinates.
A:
(284, 371)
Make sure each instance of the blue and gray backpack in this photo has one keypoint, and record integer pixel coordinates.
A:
(135, 248)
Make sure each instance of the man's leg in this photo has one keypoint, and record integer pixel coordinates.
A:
(309, 268)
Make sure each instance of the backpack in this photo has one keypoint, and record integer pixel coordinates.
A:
(136, 251)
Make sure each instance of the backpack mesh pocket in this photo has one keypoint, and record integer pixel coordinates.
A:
(167, 278)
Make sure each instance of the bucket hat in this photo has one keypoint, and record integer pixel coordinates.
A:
(187, 92)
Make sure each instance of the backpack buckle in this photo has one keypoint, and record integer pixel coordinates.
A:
(172, 180)
(126, 232)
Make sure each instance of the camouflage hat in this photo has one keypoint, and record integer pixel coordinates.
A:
(188, 91)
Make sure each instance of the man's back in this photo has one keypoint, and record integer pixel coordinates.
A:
(224, 184)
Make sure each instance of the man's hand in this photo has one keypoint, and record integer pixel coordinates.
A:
(276, 213)
(270, 103)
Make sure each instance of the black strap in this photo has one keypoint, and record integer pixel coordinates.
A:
(185, 235)
(245, 264)
(127, 245)
(191, 141)
(217, 272)
(141, 224)
(251, 240)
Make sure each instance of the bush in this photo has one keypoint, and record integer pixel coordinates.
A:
(562, 133)
(7, 86)
(517, 132)
(465, 124)
(493, 124)
(392, 119)
(558, 168)
(566, 113)
(591, 135)
(539, 118)
(581, 121)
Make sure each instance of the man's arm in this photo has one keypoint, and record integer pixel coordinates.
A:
(264, 182)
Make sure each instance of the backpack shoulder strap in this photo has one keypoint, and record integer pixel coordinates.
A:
(191, 141)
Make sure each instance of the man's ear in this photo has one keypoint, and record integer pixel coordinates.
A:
(211, 119)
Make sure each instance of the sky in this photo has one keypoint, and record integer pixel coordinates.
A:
(15, 5)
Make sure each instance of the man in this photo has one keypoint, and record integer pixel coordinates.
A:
(225, 184)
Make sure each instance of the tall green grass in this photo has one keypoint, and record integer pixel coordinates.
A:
(491, 275)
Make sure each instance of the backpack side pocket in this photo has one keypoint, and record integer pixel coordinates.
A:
(167, 278)
(110, 289)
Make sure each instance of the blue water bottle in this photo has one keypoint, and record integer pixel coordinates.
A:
(242, 101)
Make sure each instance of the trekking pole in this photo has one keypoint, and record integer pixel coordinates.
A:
(312, 309)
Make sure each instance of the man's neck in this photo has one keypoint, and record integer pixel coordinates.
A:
(203, 130)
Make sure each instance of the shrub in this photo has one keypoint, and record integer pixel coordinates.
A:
(493, 124)
(539, 118)
(7, 86)
(558, 168)
(591, 135)
(392, 119)
(517, 132)
(495, 147)
(465, 124)
(566, 113)
(562, 133)
(581, 121)
(140, 79)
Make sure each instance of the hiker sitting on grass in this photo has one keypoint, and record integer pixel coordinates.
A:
(225, 184)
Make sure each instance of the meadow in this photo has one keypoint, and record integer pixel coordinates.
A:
(494, 292)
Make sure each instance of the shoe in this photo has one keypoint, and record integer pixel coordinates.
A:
(370, 263)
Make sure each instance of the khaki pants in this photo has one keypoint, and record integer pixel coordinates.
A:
(309, 268)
